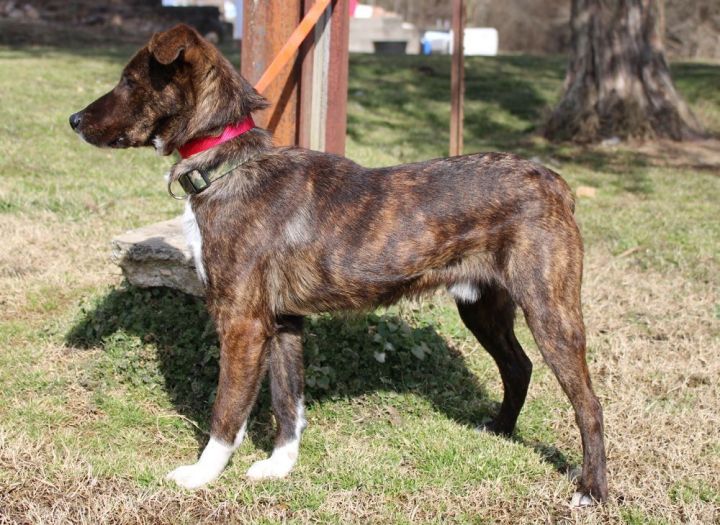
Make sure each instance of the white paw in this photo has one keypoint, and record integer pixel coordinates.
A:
(581, 500)
(193, 476)
(272, 467)
(208, 468)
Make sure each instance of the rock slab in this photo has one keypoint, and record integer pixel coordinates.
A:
(157, 255)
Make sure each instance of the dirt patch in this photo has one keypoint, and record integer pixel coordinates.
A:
(701, 155)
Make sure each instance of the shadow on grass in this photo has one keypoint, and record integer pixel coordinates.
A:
(401, 105)
(340, 361)
(340, 357)
(698, 81)
(401, 96)
(623, 170)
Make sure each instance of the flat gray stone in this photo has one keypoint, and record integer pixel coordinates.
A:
(157, 255)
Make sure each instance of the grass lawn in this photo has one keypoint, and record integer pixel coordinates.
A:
(105, 388)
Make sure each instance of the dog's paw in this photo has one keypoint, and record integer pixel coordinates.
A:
(492, 426)
(193, 476)
(580, 499)
(272, 467)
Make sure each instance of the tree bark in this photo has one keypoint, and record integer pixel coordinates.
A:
(618, 82)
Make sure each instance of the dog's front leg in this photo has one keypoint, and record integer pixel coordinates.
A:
(243, 361)
(286, 386)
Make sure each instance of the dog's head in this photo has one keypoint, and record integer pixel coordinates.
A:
(176, 88)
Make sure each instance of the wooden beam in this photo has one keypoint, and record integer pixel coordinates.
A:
(324, 84)
(457, 79)
(309, 96)
(336, 126)
(311, 84)
(267, 24)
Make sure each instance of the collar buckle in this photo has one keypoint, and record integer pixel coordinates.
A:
(198, 180)
(194, 181)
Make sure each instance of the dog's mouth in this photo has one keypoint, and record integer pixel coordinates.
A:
(100, 136)
(120, 142)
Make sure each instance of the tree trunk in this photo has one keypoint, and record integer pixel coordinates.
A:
(618, 82)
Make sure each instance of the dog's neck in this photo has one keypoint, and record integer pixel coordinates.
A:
(238, 150)
(229, 132)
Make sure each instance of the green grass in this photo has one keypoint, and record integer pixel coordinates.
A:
(117, 381)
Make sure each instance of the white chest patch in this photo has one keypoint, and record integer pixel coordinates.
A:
(464, 292)
(194, 239)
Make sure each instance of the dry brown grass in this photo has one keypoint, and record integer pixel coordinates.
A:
(654, 348)
(44, 267)
(71, 493)
(656, 363)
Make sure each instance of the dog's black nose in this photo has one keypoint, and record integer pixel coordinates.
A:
(75, 119)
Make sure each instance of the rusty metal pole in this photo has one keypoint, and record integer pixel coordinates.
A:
(267, 24)
(457, 79)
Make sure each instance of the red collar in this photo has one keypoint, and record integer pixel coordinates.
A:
(204, 143)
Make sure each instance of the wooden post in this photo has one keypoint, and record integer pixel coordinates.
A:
(267, 24)
(324, 85)
(457, 79)
(310, 97)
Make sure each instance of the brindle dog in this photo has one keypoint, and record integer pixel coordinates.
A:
(292, 232)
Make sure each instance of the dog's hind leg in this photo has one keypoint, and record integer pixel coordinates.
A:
(286, 388)
(551, 303)
(243, 361)
(491, 318)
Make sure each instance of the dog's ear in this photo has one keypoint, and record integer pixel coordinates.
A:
(167, 45)
(251, 99)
